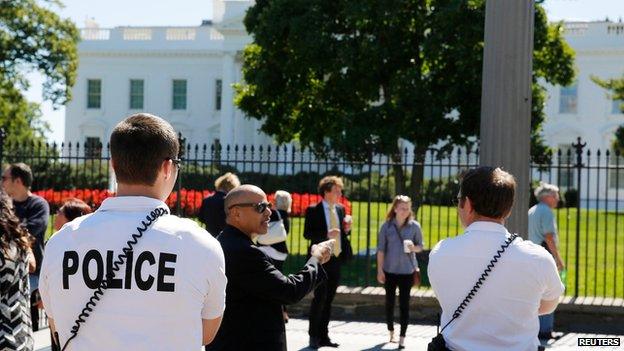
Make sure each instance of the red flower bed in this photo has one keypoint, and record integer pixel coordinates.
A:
(190, 200)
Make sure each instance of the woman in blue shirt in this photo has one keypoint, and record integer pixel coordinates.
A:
(400, 237)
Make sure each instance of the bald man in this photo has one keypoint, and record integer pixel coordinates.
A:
(256, 290)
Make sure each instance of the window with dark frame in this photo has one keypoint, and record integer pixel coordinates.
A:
(568, 99)
(218, 94)
(92, 147)
(94, 93)
(136, 94)
(566, 177)
(179, 94)
(616, 172)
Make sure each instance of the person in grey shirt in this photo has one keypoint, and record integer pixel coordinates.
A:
(400, 237)
(543, 231)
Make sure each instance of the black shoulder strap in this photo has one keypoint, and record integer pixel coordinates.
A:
(479, 283)
(409, 254)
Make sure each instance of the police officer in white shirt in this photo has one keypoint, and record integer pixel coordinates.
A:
(523, 284)
(169, 292)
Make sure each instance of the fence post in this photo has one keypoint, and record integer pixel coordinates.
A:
(181, 143)
(579, 166)
(368, 218)
(2, 138)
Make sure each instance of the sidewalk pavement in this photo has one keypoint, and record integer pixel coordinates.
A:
(368, 336)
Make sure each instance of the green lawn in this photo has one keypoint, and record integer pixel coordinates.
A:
(601, 245)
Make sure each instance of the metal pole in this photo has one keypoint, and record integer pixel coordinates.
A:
(506, 98)
(579, 166)
(368, 218)
(181, 142)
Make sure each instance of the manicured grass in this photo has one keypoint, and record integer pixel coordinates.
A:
(601, 243)
(600, 248)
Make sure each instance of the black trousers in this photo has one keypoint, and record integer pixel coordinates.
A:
(404, 282)
(320, 308)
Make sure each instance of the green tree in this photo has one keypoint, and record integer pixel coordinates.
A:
(615, 87)
(618, 140)
(33, 38)
(356, 75)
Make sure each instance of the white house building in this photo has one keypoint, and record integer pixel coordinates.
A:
(183, 74)
(583, 109)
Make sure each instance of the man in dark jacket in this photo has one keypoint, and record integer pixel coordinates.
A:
(212, 211)
(256, 290)
(323, 221)
(34, 213)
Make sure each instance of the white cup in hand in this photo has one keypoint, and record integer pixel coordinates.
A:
(348, 220)
(407, 246)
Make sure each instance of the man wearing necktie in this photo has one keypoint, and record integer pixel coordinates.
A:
(325, 221)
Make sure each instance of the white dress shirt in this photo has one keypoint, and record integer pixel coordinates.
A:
(503, 313)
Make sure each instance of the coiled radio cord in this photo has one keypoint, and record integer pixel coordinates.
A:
(121, 258)
(481, 279)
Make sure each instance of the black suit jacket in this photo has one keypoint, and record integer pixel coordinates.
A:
(255, 293)
(212, 213)
(315, 228)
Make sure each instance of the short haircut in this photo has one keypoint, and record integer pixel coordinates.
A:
(327, 183)
(74, 208)
(283, 200)
(490, 190)
(139, 144)
(227, 182)
(545, 189)
(23, 172)
(235, 195)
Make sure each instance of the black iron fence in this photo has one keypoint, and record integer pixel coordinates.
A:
(590, 217)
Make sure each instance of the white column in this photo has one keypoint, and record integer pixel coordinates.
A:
(506, 97)
(226, 129)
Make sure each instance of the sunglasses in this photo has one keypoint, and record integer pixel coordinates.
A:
(176, 161)
(259, 207)
(456, 200)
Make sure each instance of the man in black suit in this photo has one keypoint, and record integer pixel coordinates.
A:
(325, 221)
(256, 290)
(212, 211)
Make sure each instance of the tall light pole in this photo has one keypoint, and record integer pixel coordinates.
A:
(506, 97)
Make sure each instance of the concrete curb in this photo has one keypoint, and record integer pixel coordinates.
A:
(580, 314)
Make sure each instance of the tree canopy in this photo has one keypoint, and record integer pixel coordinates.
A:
(340, 74)
(33, 38)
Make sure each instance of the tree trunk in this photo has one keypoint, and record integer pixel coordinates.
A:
(416, 179)
(399, 173)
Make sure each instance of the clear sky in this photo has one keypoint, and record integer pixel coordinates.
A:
(113, 13)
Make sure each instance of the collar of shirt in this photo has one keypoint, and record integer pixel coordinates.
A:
(326, 205)
(132, 204)
(232, 230)
(483, 226)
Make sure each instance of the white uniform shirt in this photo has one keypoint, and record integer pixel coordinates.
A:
(503, 313)
(175, 279)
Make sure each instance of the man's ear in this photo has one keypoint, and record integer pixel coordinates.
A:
(467, 205)
(167, 168)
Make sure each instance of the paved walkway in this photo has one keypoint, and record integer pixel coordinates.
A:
(367, 336)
